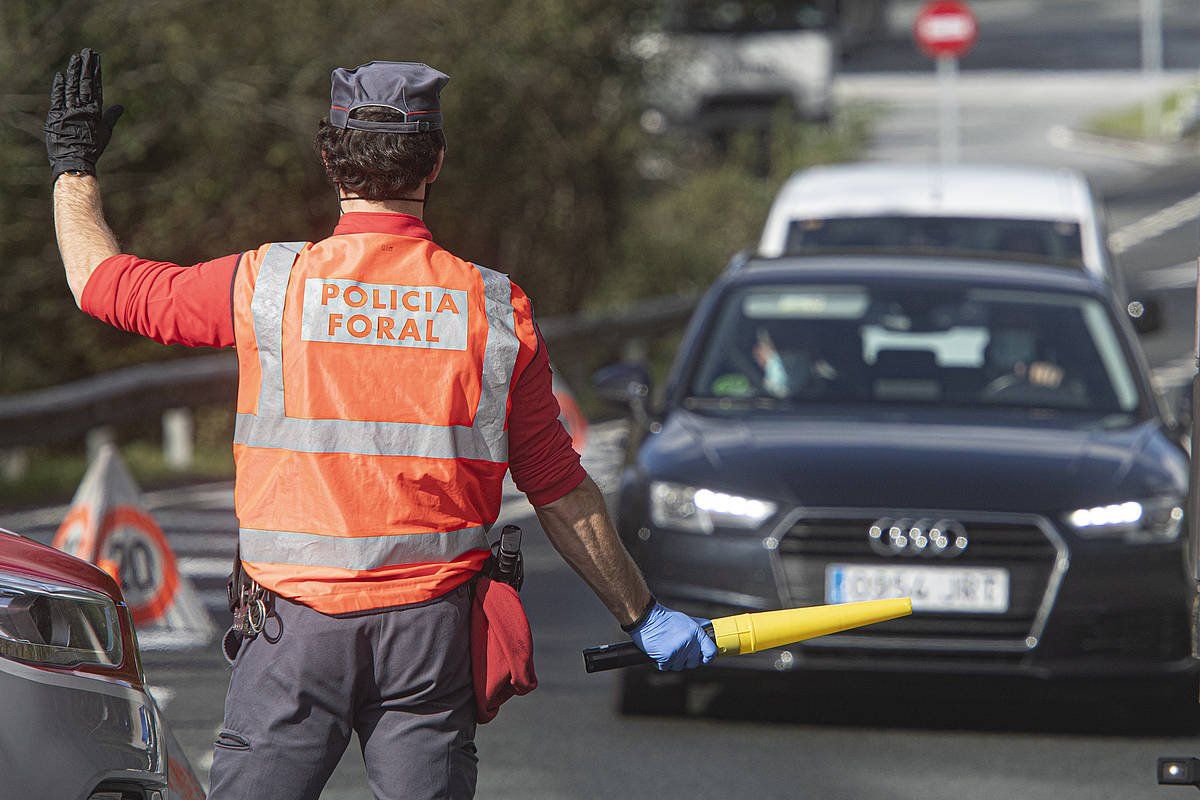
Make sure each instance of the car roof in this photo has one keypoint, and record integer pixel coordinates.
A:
(968, 189)
(952, 190)
(945, 270)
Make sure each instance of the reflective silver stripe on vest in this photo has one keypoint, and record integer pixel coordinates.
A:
(266, 306)
(485, 440)
(367, 438)
(499, 359)
(357, 552)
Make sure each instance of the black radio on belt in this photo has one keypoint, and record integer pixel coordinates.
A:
(505, 564)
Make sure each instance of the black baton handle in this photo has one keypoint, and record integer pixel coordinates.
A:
(614, 656)
(621, 654)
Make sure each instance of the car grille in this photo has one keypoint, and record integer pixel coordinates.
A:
(1020, 546)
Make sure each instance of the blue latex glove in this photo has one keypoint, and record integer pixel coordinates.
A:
(673, 639)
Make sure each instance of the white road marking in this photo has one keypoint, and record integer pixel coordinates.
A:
(195, 520)
(205, 496)
(1156, 224)
(1179, 276)
(160, 640)
(185, 545)
(1174, 373)
(1065, 138)
(205, 566)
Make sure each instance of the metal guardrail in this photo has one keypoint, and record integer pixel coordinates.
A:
(69, 411)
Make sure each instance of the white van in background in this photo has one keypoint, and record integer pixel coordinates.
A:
(1030, 213)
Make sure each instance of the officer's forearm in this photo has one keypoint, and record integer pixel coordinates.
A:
(579, 527)
(84, 238)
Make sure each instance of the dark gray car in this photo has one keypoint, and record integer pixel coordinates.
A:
(981, 436)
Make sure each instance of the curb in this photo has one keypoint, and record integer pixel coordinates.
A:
(1156, 153)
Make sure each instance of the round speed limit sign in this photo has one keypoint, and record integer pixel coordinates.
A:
(75, 535)
(132, 541)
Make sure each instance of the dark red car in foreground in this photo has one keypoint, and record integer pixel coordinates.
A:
(78, 721)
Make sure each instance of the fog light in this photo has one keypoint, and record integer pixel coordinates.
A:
(1179, 771)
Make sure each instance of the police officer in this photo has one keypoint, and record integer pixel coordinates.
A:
(386, 386)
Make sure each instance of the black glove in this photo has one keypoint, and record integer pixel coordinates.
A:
(78, 126)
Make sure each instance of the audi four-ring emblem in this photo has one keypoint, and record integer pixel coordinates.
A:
(927, 538)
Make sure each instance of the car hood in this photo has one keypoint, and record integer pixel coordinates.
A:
(912, 462)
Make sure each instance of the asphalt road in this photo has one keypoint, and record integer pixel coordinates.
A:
(796, 736)
(793, 736)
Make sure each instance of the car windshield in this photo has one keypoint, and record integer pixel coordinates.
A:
(885, 345)
(1041, 239)
(746, 16)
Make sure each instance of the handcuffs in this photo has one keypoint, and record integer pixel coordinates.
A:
(251, 606)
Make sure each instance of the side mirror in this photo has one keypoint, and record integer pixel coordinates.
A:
(625, 383)
(1146, 315)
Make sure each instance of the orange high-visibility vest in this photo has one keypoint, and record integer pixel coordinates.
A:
(373, 399)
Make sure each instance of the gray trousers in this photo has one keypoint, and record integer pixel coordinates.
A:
(399, 678)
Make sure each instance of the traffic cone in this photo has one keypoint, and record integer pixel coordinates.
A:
(108, 526)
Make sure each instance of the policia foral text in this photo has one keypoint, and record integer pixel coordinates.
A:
(386, 386)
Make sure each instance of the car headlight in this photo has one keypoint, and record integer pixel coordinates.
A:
(43, 622)
(687, 508)
(1138, 523)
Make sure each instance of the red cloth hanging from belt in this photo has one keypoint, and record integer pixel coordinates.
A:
(501, 647)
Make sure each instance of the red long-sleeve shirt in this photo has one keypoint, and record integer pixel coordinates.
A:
(193, 306)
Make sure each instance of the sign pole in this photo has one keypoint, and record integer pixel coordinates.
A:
(945, 30)
(1192, 516)
(948, 127)
(1192, 513)
(1152, 64)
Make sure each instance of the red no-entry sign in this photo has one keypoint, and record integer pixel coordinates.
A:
(945, 29)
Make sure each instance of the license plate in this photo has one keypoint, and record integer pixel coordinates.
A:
(965, 590)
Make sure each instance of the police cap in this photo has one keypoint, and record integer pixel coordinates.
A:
(408, 88)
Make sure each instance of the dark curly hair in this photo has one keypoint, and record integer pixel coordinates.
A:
(373, 165)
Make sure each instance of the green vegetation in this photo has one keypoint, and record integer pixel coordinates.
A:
(681, 234)
(53, 473)
(214, 154)
(684, 229)
(1129, 122)
(53, 476)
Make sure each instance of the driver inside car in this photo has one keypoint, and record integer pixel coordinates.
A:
(768, 371)
(791, 373)
(1012, 359)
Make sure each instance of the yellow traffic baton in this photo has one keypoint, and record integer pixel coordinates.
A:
(743, 634)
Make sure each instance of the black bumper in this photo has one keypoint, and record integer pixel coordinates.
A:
(1115, 611)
